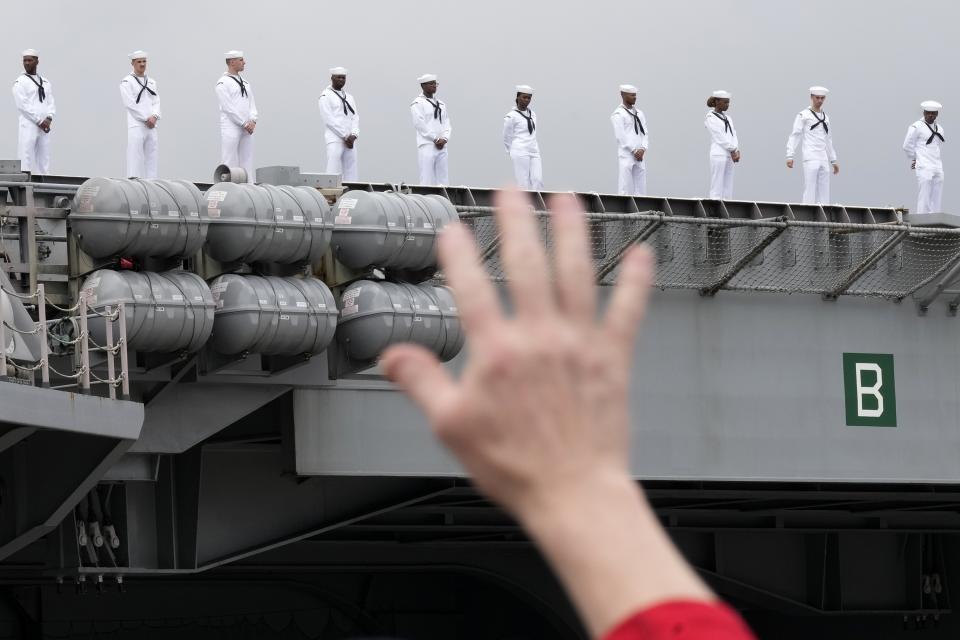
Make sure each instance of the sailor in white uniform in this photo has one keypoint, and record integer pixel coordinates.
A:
(238, 115)
(724, 145)
(432, 122)
(341, 126)
(142, 102)
(813, 126)
(520, 141)
(33, 96)
(630, 130)
(922, 146)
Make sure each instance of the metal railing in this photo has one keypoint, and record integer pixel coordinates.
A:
(82, 345)
(781, 254)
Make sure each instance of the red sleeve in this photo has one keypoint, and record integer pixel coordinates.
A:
(683, 620)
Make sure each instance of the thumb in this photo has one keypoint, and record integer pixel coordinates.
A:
(420, 375)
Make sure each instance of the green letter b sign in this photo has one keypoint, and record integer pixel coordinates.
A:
(868, 389)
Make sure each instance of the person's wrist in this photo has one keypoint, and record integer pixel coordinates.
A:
(551, 504)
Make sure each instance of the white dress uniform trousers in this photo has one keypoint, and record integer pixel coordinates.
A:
(141, 100)
(630, 130)
(818, 154)
(922, 145)
(723, 142)
(33, 96)
(341, 119)
(432, 122)
(237, 107)
(520, 141)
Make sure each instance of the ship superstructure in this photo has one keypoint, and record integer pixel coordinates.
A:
(191, 394)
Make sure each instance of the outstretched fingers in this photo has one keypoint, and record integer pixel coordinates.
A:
(477, 302)
(522, 255)
(575, 276)
(421, 376)
(628, 302)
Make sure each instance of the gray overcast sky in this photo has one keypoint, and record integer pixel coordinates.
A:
(880, 58)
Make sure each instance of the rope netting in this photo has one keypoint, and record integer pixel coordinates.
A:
(773, 255)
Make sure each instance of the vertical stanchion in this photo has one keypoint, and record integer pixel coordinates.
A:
(84, 347)
(44, 347)
(110, 370)
(124, 368)
(3, 351)
(28, 236)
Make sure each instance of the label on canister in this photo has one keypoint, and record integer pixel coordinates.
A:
(349, 300)
(217, 289)
(85, 196)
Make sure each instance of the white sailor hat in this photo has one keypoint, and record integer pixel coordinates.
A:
(138, 54)
(931, 105)
(30, 52)
(819, 91)
(627, 88)
(427, 77)
(720, 93)
(338, 71)
(233, 53)
(524, 88)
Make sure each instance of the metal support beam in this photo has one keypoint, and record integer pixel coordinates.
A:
(418, 491)
(152, 396)
(638, 237)
(885, 247)
(13, 436)
(20, 211)
(951, 275)
(490, 249)
(91, 459)
(746, 259)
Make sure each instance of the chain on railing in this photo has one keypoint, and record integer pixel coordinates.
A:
(83, 343)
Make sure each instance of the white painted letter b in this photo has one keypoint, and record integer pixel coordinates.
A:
(871, 391)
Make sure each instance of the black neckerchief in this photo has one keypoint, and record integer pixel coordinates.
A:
(343, 99)
(239, 81)
(934, 132)
(143, 87)
(531, 127)
(637, 125)
(40, 92)
(726, 123)
(823, 121)
(437, 109)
